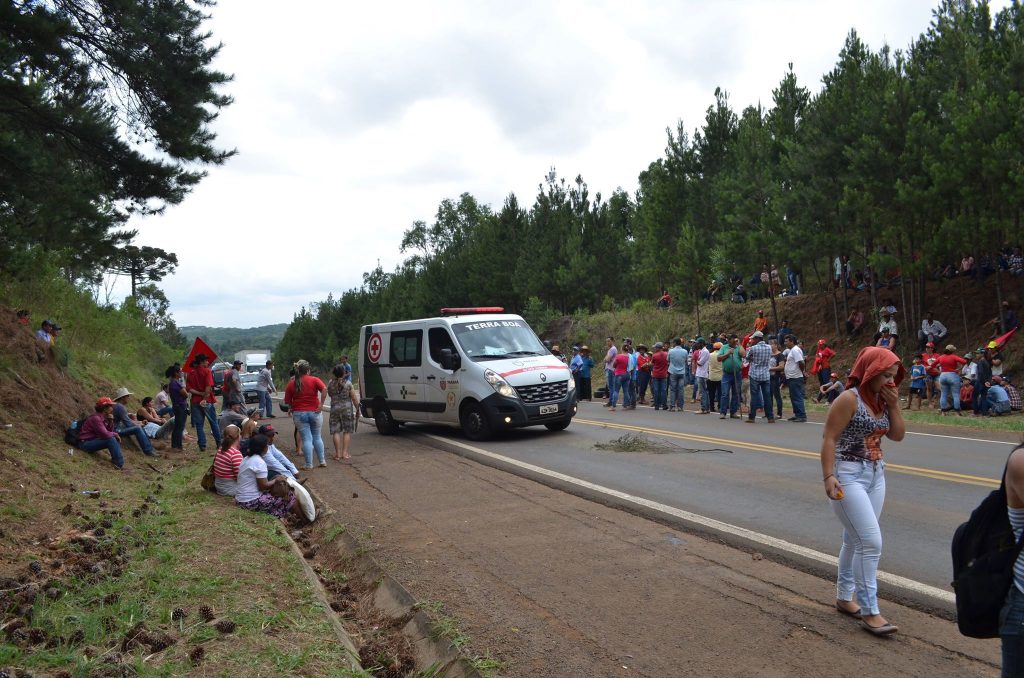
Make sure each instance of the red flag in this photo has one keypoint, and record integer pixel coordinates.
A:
(1001, 341)
(198, 346)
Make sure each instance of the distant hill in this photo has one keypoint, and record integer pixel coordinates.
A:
(227, 340)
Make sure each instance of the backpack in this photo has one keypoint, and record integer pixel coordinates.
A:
(71, 433)
(984, 553)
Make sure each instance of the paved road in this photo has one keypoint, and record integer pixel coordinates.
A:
(766, 478)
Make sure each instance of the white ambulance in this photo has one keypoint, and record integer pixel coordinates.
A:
(478, 369)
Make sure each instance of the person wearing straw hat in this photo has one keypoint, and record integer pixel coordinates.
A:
(125, 426)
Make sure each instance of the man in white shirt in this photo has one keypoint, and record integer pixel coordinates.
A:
(794, 373)
(702, 374)
(888, 323)
(931, 330)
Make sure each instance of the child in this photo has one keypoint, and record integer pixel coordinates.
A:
(918, 376)
(967, 392)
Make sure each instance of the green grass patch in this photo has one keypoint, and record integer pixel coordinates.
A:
(1013, 423)
(191, 548)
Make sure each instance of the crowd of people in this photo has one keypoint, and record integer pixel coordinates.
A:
(737, 375)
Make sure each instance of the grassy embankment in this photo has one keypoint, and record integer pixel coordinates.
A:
(80, 573)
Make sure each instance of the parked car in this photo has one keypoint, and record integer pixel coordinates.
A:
(249, 380)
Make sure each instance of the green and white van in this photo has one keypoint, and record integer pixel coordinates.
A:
(477, 369)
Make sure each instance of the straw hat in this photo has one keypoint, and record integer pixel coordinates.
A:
(122, 392)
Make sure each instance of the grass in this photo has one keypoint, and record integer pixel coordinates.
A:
(1013, 423)
(443, 625)
(193, 548)
(629, 442)
(333, 531)
(487, 666)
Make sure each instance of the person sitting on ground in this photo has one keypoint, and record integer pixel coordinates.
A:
(234, 414)
(760, 322)
(152, 423)
(126, 426)
(739, 294)
(257, 493)
(277, 463)
(97, 435)
(784, 329)
(227, 462)
(162, 401)
(855, 322)
(998, 398)
(43, 333)
(967, 392)
(1009, 321)
(251, 423)
(24, 317)
(1015, 262)
(1013, 393)
(665, 301)
(888, 323)
(931, 331)
(886, 340)
(832, 389)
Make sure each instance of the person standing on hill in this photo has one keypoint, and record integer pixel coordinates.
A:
(760, 322)
(265, 387)
(795, 379)
(822, 366)
(199, 384)
(854, 476)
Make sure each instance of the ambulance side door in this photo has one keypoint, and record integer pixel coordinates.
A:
(441, 385)
(404, 375)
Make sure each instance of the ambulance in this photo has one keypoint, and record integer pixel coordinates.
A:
(478, 369)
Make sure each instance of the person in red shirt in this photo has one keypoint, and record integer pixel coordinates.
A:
(643, 373)
(823, 364)
(659, 377)
(620, 370)
(199, 384)
(305, 396)
(930, 360)
(949, 380)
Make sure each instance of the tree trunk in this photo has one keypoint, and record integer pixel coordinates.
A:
(963, 311)
(697, 310)
(999, 299)
(817, 274)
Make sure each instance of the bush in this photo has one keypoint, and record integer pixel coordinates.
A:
(539, 314)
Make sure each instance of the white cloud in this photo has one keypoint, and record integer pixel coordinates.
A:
(353, 120)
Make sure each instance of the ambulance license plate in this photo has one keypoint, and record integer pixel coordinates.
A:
(548, 409)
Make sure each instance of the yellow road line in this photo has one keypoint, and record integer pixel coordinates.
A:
(773, 449)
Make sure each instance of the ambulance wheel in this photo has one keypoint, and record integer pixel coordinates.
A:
(558, 425)
(474, 422)
(386, 424)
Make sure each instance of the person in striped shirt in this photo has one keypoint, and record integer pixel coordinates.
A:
(227, 462)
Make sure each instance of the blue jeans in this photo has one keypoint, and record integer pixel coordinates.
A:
(776, 396)
(178, 432)
(310, 425)
(730, 398)
(609, 377)
(796, 396)
(201, 413)
(140, 437)
(266, 403)
(1011, 631)
(949, 384)
(702, 389)
(643, 380)
(677, 390)
(863, 495)
(659, 390)
(622, 382)
(97, 444)
(761, 397)
(164, 411)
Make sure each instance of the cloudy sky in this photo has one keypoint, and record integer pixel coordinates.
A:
(352, 120)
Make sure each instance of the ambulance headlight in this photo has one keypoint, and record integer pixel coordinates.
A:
(502, 387)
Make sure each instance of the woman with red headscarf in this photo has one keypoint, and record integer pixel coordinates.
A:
(854, 476)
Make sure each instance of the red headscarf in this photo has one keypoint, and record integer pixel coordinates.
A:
(872, 361)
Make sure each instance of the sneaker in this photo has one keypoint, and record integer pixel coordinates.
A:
(734, 416)
(721, 416)
(792, 419)
(801, 420)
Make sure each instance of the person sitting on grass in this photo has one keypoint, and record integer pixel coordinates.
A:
(227, 462)
(97, 435)
(277, 463)
(832, 389)
(126, 426)
(255, 491)
(233, 414)
(1012, 392)
(967, 392)
(152, 423)
(998, 398)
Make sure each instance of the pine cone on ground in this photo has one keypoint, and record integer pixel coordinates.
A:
(225, 626)
(178, 614)
(196, 655)
(206, 613)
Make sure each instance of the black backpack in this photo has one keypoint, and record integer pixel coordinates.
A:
(71, 433)
(984, 552)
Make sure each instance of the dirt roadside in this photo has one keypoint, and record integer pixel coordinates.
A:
(552, 584)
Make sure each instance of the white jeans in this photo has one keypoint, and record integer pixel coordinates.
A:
(863, 495)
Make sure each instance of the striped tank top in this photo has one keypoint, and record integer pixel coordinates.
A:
(1016, 516)
(861, 440)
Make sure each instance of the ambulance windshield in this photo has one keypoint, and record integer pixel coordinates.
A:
(497, 339)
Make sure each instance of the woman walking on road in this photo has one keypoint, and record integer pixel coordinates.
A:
(854, 477)
(344, 412)
(305, 395)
